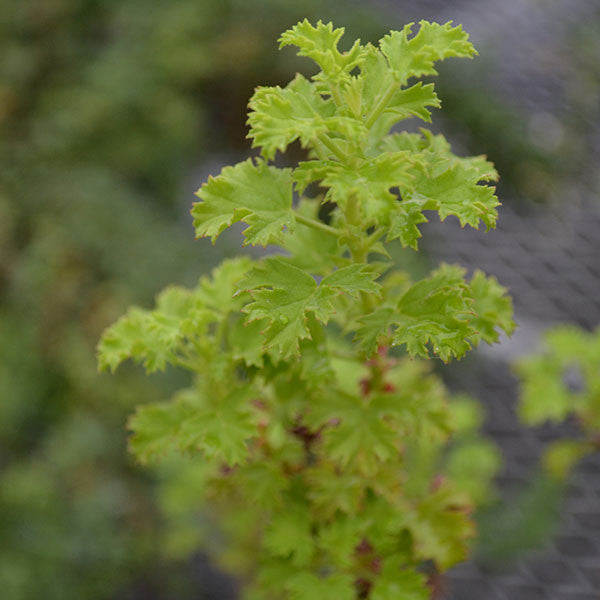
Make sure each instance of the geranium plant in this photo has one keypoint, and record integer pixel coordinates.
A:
(324, 438)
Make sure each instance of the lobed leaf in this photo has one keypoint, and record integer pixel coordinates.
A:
(493, 307)
(320, 44)
(442, 312)
(284, 296)
(395, 581)
(257, 194)
(415, 57)
(219, 427)
(154, 337)
(288, 535)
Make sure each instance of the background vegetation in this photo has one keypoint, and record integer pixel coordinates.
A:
(110, 113)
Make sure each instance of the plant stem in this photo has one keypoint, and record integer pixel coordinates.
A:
(374, 237)
(335, 94)
(381, 104)
(317, 225)
(333, 147)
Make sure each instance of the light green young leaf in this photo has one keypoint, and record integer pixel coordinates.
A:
(561, 456)
(320, 44)
(414, 57)
(279, 116)
(442, 312)
(435, 150)
(406, 103)
(153, 338)
(448, 183)
(471, 464)
(259, 195)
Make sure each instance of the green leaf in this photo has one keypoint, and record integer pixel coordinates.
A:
(122, 340)
(339, 539)
(246, 342)
(278, 117)
(440, 312)
(561, 456)
(219, 427)
(307, 586)
(153, 338)
(284, 295)
(259, 195)
(492, 306)
(351, 280)
(331, 490)
(414, 57)
(455, 191)
(435, 149)
(440, 529)
(289, 535)
(404, 221)
(544, 397)
(310, 249)
(320, 44)
(217, 291)
(395, 582)
(362, 433)
(444, 182)
(369, 182)
(436, 311)
(471, 465)
(372, 327)
(409, 102)
(155, 428)
(563, 379)
(226, 427)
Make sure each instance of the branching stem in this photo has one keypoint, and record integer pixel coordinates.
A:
(381, 104)
(332, 146)
(317, 225)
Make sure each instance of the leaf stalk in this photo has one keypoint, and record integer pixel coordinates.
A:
(317, 225)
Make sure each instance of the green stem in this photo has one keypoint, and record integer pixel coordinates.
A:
(333, 147)
(335, 94)
(317, 225)
(374, 237)
(381, 104)
(358, 248)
